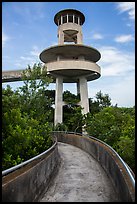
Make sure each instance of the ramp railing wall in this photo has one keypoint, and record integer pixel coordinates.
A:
(27, 181)
(121, 176)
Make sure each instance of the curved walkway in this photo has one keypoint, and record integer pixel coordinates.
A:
(80, 179)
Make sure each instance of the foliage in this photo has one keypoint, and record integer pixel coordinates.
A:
(72, 116)
(10, 99)
(33, 97)
(27, 115)
(74, 120)
(116, 127)
(70, 98)
(101, 101)
(60, 127)
(26, 138)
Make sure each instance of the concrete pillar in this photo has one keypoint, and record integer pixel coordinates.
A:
(79, 38)
(60, 37)
(78, 88)
(84, 95)
(58, 101)
(58, 57)
(73, 18)
(61, 20)
(78, 20)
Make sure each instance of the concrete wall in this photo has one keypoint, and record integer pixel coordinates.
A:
(108, 160)
(29, 182)
(73, 64)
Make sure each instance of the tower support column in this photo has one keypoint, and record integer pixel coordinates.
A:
(60, 37)
(78, 88)
(84, 95)
(58, 101)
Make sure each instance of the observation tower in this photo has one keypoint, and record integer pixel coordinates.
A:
(71, 61)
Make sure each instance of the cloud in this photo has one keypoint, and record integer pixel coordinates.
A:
(128, 7)
(124, 38)
(97, 36)
(115, 62)
(121, 92)
(29, 11)
(19, 65)
(35, 51)
(29, 59)
(5, 38)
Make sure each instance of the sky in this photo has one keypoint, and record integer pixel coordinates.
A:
(28, 28)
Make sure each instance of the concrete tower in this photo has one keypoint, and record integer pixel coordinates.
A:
(71, 61)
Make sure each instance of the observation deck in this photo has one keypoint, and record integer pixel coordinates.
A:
(72, 61)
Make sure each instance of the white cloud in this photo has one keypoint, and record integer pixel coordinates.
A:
(127, 7)
(5, 38)
(18, 64)
(29, 59)
(115, 62)
(97, 36)
(35, 51)
(117, 77)
(124, 38)
(121, 92)
(30, 11)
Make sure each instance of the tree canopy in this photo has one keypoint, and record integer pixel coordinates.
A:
(28, 119)
(26, 123)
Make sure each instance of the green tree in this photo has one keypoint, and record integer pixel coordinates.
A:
(26, 129)
(72, 115)
(60, 127)
(116, 127)
(101, 101)
(74, 120)
(70, 98)
(26, 138)
(10, 100)
(33, 97)
(93, 106)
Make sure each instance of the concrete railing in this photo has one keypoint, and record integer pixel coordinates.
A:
(119, 173)
(27, 181)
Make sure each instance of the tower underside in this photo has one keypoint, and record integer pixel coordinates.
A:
(71, 64)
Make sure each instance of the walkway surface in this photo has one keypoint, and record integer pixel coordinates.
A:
(80, 179)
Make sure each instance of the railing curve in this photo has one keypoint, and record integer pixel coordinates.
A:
(7, 171)
(27, 181)
(123, 171)
(77, 139)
